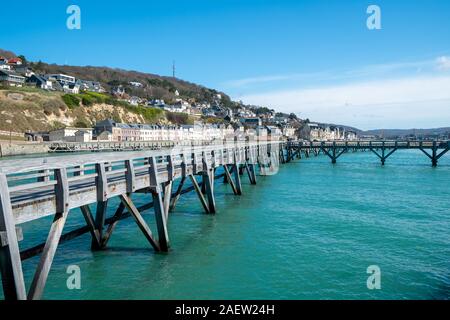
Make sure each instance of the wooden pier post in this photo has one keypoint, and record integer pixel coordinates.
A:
(333, 159)
(434, 159)
(237, 178)
(102, 204)
(199, 193)
(208, 182)
(62, 211)
(10, 262)
(158, 206)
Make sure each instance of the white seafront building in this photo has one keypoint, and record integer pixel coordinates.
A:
(109, 130)
(325, 133)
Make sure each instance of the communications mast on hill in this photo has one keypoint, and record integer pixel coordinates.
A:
(173, 69)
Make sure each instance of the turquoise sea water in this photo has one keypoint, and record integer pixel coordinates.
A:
(309, 232)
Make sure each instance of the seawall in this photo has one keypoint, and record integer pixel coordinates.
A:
(17, 149)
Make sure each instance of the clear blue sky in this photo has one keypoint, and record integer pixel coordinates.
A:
(252, 49)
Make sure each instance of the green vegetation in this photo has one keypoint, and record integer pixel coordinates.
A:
(87, 99)
(162, 83)
(213, 120)
(81, 123)
(71, 100)
(151, 115)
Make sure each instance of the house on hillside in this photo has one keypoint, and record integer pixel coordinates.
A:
(11, 78)
(56, 86)
(23, 70)
(136, 84)
(251, 122)
(159, 103)
(61, 78)
(134, 101)
(195, 111)
(118, 91)
(4, 64)
(92, 86)
(71, 88)
(39, 82)
(15, 62)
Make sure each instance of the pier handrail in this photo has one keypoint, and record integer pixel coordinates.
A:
(15, 166)
(32, 184)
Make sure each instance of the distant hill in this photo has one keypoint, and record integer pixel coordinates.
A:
(7, 54)
(154, 86)
(347, 128)
(393, 133)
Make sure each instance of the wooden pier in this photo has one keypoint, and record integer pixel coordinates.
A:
(31, 189)
(434, 150)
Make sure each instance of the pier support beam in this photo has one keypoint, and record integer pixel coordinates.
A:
(111, 226)
(334, 154)
(102, 204)
(237, 178)
(158, 206)
(208, 184)
(167, 198)
(99, 224)
(251, 172)
(62, 210)
(250, 164)
(126, 200)
(87, 214)
(229, 179)
(208, 180)
(199, 193)
(10, 262)
(434, 156)
(383, 156)
(177, 195)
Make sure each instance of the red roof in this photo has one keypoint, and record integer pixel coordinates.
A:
(3, 58)
(15, 60)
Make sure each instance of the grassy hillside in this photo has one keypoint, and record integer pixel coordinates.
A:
(36, 110)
